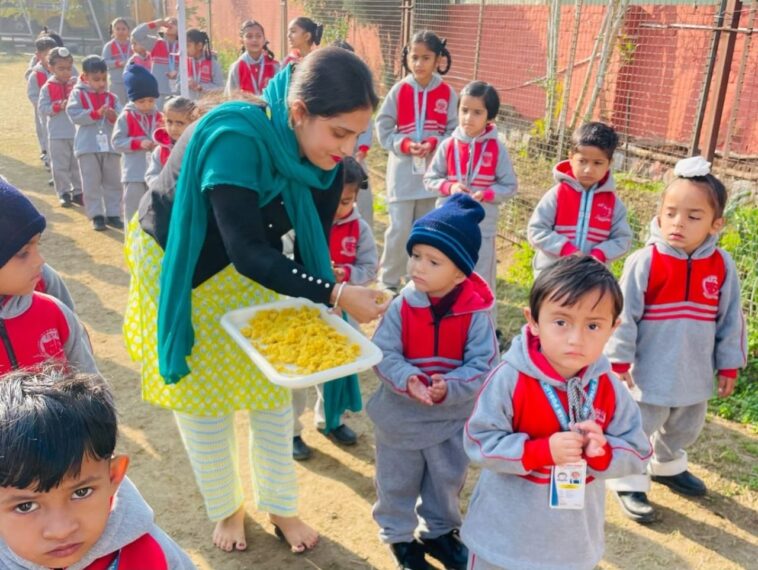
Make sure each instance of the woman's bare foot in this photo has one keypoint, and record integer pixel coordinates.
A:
(229, 533)
(298, 535)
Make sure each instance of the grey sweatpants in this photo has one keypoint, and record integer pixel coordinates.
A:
(40, 129)
(394, 263)
(487, 268)
(671, 430)
(101, 183)
(133, 192)
(365, 202)
(63, 164)
(299, 401)
(419, 488)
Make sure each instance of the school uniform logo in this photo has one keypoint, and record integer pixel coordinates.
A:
(711, 287)
(604, 213)
(440, 106)
(487, 159)
(349, 246)
(49, 343)
(599, 416)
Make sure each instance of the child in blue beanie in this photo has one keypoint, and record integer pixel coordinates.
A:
(35, 328)
(133, 134)
(439, 343)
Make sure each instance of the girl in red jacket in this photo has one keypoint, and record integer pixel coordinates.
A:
(303, 34)
(257, 64)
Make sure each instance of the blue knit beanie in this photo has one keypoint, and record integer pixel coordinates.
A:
(453, 229)
(20, 221)
(139, 83)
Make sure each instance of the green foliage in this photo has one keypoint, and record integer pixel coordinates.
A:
(629, 182)
(226, 57)
(520, 270)
(742, 405)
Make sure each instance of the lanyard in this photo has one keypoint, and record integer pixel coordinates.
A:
(92, 107)
(420, 115)
(122, 54)
(146, 123)
(171, 50)
(257, 85)
(470, 175)
(560, 413)
(196, 72)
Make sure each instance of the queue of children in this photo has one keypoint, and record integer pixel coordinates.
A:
(548, 425)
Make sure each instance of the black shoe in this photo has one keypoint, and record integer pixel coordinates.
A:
(343, 435)
(300, 449)
(98, 224)
(448, 549)
(409, 556)
(65, 200)
(115, 222)
(78, 199)
(684, 483)
(635, 506)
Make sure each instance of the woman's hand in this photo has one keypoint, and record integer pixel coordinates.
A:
(362, 303)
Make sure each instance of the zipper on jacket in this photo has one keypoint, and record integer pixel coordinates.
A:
(8, 346)
(436, 324)
(687, 283)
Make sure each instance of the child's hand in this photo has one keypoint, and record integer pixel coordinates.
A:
(414, 149)
(194, 86)
(626, 378)
(172, 74)
(726, 386)
(594, 438)
(438, 389)
(360, 155)
(425, 149)
(478, 195)
(147, 144)
(458, 188)
(566, 447)
(419, 391)
(110, 113)
(339, 274)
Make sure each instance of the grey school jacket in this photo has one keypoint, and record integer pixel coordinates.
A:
(116, 60)
(404, 423)
(402, 183)
(676, 347)
(147, 35)
(509, 522)
(133, 159)
(548, 241)
(59, 125)
(363, 271)
(55, 286)
(130, 518)
(502, 182)
(88, 122)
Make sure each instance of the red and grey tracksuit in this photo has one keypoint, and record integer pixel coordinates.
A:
(251, 75)
(419, 448)
(570, 218)
(163, 58)
(508, 437)
(116, 55)
(682, 323)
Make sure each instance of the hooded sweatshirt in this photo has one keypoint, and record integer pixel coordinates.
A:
(461, 346)
(163, 54)
(159, 156)
(52, 99)
(570, 218)
(682, 321)
(396, 129)
(251, 75)
(35, 81)
(509, 521)
(52, 284)
(207, 73)
(352, 247)
(37, 328)
(83, 107)
(130, 532)
(116, 54)
(132, 127)
(490, 171)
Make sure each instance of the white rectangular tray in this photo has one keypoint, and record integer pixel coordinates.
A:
(370, 354)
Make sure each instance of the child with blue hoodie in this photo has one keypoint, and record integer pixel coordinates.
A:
(438, 345)
(550, 423)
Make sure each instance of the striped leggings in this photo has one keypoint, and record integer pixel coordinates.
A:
(212, 448)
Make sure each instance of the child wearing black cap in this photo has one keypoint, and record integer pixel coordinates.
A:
(34, 327)
(133, 135)
(438, 343)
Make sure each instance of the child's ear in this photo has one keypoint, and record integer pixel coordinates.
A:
(460, 277)
(717, 226)
(533, 326)
(118, 468)
(616, 325)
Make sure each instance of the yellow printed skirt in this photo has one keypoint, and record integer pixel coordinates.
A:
(222, 377)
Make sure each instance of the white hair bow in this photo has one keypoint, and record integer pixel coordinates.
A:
(692, 166)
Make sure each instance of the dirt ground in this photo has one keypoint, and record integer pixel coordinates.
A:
(336, 486)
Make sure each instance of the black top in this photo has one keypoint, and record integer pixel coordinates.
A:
(242, 232)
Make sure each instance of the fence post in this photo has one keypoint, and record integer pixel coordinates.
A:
(723, 66)
(406, 24)
(283, 27)
(478, 46)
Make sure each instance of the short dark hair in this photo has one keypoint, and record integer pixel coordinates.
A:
(45, 33)
(595, 134)
(94, 64)
(569, 279)
(352, 172)
(487, 93)
(332, 81)
(342, 44)
(44, 44)
(713, 187)
(315, 29)
(49, 421)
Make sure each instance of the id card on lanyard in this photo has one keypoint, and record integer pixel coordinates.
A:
(122, 55)
(146, 124)
(258, 84)
(470, 174)
(419, 162)
(102, 140)
(568, 481)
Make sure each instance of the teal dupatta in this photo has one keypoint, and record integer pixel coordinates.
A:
(241, 144)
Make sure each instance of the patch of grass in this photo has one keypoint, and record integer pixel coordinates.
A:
(629, 182)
